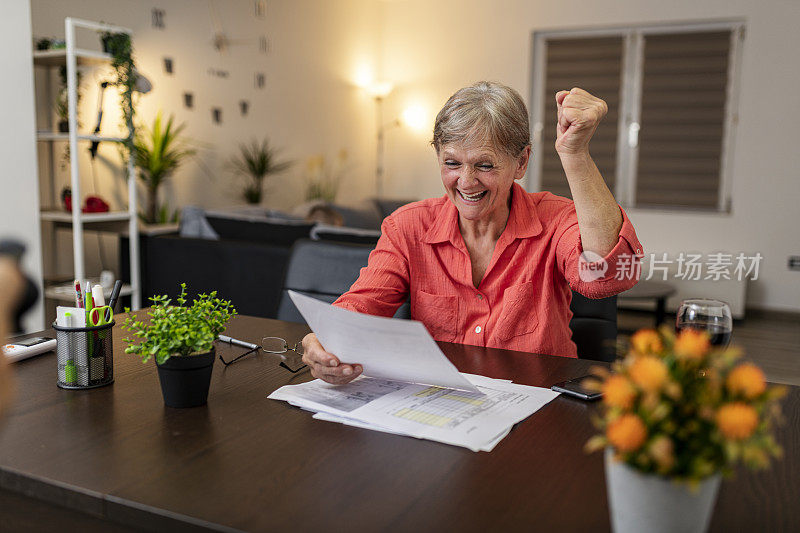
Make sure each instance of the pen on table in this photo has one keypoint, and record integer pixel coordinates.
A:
(237, 342)
(78, 294)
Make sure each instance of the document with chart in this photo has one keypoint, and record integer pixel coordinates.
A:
(474, 420)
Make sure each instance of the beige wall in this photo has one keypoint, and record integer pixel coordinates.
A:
(19, 206)
(432, 48)
(429, 49)
(310, 104)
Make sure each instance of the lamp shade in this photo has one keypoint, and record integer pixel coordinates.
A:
(380, 89)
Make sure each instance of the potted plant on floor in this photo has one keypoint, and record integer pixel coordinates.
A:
(255, 162)
(158, 151)
(679, 414)
(181, 339)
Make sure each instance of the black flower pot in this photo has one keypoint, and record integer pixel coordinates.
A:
(185, 379)
(63, 126)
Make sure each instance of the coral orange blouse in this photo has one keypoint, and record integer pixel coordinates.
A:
(522, 302)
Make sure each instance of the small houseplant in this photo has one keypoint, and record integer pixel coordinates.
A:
(679, 414)
(323, 180)
(256, 160)
(158, 152)
(181, 340)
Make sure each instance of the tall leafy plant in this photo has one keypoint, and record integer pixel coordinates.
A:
(158, 152)
(255, 161)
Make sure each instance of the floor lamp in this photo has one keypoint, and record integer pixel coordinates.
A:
(379, 91)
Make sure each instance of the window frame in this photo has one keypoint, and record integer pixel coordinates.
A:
(632, 74)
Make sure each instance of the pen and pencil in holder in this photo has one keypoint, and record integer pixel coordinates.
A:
(85, 356)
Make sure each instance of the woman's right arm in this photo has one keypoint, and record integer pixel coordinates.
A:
(380, 289)
(383, 285)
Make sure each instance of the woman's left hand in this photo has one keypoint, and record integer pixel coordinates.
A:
(579, 113)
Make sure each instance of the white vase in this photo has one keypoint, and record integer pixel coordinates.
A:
(646, 502)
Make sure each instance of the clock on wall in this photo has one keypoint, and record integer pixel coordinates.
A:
(222, 45)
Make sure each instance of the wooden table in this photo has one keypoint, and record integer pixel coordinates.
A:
(248, 463)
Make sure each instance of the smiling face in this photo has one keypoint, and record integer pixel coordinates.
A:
(478, 180)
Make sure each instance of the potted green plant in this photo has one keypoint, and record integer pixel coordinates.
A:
(158, 152)
(181, 339)
(62, 105)
(323, 180)
(255, 161)
(679, 414)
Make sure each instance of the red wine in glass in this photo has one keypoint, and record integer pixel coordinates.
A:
(711, 316)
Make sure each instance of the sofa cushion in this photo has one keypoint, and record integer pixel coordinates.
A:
(388, 206)
(194, 224)
(326, 232)
(267, 231)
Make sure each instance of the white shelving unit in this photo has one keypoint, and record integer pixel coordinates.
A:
(115, 221)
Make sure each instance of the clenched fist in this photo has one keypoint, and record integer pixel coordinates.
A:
(579, 113)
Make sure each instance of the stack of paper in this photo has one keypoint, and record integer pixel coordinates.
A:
(408, 386)
(474, 420)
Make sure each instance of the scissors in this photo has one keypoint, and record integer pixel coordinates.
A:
(99, 316)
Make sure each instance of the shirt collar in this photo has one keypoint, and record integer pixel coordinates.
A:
(523, 221)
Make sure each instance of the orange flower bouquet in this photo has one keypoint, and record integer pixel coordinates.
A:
(677, 408)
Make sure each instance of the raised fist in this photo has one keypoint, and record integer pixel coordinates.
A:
(579, 113)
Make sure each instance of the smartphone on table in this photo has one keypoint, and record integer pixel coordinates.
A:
(574, 388)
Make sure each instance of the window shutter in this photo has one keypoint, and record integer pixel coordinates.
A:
(684, 89)
(595, 65)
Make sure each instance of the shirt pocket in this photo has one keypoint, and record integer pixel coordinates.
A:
(439, 314)
(518, 316)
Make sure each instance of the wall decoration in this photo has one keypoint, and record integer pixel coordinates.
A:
(188, 100)
(218, 73)
(260, 8)
(244, 107)
(263, 44)
(216, 115)
(260, 80)
(157, 17)
(168, 65)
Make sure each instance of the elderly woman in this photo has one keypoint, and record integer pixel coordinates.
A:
(490, 264)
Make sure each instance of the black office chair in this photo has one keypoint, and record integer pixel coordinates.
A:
(323, 270)
(594, 327)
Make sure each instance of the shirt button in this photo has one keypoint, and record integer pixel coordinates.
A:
(477, 329)
(480, 296)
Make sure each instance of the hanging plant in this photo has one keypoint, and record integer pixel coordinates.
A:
(120, 47)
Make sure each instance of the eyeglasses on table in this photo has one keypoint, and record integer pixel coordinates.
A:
(291, 356)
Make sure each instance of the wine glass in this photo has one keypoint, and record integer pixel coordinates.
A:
(711, 316)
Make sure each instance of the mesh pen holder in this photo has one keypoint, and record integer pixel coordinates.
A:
(85, 356)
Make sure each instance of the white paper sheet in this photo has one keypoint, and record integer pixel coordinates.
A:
(473, 378)
(455, 417)
(477, 421)
(387, 348)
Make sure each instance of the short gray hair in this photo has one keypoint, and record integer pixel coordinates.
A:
(486, 112)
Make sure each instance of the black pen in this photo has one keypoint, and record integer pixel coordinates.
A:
(114, 295)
